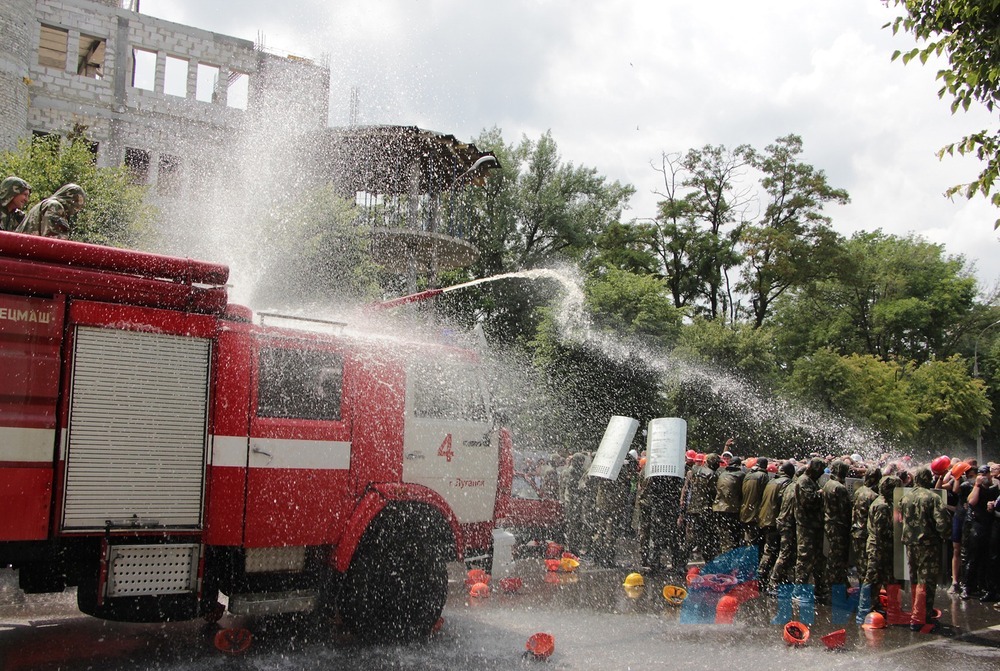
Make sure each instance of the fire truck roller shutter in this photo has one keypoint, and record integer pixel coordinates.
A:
(397, 582)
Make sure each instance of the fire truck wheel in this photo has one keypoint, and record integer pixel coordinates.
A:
(397, 584)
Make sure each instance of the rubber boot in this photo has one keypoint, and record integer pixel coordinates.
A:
(864, 603)
(784, 614)
(842, 607)
(806, 595)
(918, 615)
(894, 613)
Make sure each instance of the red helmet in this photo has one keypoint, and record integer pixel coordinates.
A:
(940, 465)
(690, 455)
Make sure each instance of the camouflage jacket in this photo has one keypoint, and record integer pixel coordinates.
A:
(701, 490)
(729, 491)
(11, 221)
(753, 492)
(836, 508)
(770, 501)
(786, 513)
(808, 504)
(863, 497)
(879, 528)
(925, 520)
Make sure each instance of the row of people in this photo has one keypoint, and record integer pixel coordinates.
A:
(49, 217)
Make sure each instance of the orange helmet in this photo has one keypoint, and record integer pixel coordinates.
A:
(874, 620)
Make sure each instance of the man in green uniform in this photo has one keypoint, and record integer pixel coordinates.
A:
(51, 217)
(728, 498)
(14, 194)
(698, 512)
(810, 564)
(879, 550)
(860, 503)
(753, 493)
(767, 521)
(837, 524)
(926, 527)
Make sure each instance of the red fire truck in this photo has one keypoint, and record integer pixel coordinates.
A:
(160, 445)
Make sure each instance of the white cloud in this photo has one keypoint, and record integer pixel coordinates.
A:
(618, 82)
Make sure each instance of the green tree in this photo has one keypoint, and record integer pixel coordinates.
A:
(116, 212)
(965, 31)
(893, 297)
(624, 302)
(860, 387)
(953, 405)
(792, 243)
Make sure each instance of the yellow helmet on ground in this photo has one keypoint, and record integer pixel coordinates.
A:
(634, 580)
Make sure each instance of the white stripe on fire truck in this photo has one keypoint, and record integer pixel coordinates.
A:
(281, 453)
(27, 446)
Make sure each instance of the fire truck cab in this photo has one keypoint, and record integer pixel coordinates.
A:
(159, 445)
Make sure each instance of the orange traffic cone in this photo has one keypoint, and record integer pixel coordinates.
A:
(894, 613)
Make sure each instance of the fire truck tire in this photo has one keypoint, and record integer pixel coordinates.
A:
(397, 584)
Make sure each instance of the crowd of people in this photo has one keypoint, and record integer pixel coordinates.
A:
(820, 525)
(50, 217)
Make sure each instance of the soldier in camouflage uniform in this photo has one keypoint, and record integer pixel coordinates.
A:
(861, 501)
(879, 550)
(810, 564)
(753, 492)
(14, 194)
(767, 521)
(926, 527)
(837, 523)
(611, 509)
(698, 511)
(784, 567)
(728, 498)
(51, 217)
(659, 501)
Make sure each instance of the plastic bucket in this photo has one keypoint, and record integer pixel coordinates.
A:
(503, 551)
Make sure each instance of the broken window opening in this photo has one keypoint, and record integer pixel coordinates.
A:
(208, 81)
(168, 177)
(143, 69)
(238, 90)
(91, 57)
(52, 46)
(175, 77)
(137, 162)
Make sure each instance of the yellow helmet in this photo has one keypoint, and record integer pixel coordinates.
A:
(634, 580)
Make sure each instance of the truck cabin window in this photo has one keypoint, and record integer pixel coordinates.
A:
(447, 391)
(300, 384)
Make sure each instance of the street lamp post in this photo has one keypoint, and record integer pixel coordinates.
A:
(975, 373)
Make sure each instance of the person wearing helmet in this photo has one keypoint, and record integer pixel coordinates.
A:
(728, 499)
(697, 514)
(659, 507)
(860, 503)
(767, 521)
(879, 548)
(14, 194)
(572, 492)
(926, 527)
(837, 524)
(611, 508)
(783, 572)
(810, 564)
(51, 217)
(752, 495)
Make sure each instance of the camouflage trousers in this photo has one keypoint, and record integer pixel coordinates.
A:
(810, 563)
(769, 557)
(925, 567)
(838, 559)
(704, 534)
(784, 565)
(859, 543)
(879, 570)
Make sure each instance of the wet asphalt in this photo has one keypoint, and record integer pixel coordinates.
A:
(595, 623)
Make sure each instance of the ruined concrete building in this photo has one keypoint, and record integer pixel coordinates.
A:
(163, 98)
(206, 120)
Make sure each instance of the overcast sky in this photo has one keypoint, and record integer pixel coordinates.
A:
(619, 82)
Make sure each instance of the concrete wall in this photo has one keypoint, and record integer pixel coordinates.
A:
(55, 98)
